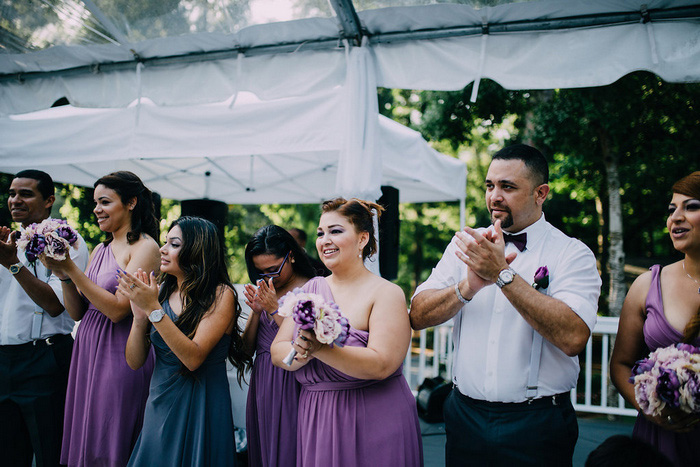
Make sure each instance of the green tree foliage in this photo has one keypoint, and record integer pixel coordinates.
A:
(651, 125)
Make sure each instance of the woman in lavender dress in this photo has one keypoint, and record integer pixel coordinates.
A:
(355, 407)
(278, 265)
(106, 398)
(663, 308)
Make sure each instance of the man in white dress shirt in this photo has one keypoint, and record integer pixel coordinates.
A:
(516, 346)
(35, 335)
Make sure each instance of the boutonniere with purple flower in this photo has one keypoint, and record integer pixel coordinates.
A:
(541, 278)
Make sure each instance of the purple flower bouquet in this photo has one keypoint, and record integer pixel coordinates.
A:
(668, 378)
(51, 236)
(311, 311)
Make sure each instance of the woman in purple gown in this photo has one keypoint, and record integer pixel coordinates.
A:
(278, 265)
(106, 398)
(663, 308)
(355, 407)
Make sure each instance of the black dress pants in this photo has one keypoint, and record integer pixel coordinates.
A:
(33, 380)
(481, 433)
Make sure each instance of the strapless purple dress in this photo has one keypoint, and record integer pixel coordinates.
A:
(106, 398)
(346, 422)
(683, 449)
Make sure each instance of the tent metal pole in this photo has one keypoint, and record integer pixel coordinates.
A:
(558, 24)
(348, 19)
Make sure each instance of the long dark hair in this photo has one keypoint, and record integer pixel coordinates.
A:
(690, 186)
(143, 218)
(274, 240)
(202, 261)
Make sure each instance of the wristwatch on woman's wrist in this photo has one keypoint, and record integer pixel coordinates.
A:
(156, 315)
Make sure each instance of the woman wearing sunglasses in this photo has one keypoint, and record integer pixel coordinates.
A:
(276, 264)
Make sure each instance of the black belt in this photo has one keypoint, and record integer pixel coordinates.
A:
(48, 341)
(556, 399)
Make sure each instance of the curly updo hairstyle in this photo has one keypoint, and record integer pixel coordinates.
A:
(359, 213)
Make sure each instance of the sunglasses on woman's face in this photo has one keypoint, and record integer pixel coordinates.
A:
(267, 275)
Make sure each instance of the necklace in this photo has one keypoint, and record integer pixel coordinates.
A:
(691, 277)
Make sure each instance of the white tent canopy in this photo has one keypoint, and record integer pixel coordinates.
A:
(107, 53)
(185, 56)
(283, 151)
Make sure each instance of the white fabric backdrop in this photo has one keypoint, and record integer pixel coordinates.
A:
(281, 151)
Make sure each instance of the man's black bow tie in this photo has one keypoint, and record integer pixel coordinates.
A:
(519, 240)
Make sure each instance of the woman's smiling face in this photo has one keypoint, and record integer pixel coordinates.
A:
(111, 213)
(337, 240)
(683, 223)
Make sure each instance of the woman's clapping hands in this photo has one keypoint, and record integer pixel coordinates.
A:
(261, 298)
(141, 289)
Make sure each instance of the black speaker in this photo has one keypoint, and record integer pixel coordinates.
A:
(431, 398)
(389, 233)
(209, 209)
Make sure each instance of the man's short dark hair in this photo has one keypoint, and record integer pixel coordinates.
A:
(44, 181)
(533, 159)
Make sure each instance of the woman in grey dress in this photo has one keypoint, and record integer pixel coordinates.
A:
(192, 325)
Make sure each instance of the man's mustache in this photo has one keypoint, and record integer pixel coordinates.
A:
(500, 208)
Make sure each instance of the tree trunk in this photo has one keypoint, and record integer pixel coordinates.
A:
(616, 260)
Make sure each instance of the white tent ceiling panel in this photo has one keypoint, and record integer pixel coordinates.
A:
(282, 151)
(267, 76)
(544, 60)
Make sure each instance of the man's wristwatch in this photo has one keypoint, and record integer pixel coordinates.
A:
(15, 268)
(505, 277)
(156, 316)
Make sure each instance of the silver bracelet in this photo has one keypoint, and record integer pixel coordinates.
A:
(459, 294)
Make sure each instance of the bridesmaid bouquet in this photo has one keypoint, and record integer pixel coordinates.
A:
(668, 377)
(311, 311)
(51, 236)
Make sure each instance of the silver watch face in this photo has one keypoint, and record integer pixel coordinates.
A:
(506, 276)
(156, 316)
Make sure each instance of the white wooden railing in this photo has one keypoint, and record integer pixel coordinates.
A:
(422, 362)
